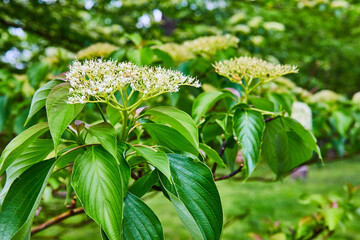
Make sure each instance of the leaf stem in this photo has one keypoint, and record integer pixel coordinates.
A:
(101, 112)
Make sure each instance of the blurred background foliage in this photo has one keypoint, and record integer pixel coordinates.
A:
(40, 38)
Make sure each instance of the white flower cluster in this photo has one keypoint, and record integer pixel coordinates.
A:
(100, 79)
(96, 50)
(274, 26)
(250, 68)
(302, 113)
(325, 96)
(152, 81)
(356, 98)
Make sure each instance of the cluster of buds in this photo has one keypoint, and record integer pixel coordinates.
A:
(177, 52)
(99, 79)
(203, 46)
(248, 68)
(209, 46)
(96, 50)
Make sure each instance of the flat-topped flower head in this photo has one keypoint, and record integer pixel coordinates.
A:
(209, 46)
(96, 50)
(98, 80)
(237, 69)
(153, 81)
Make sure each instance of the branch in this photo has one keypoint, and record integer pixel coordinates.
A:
(269, 119)
(57, 219)
(230, 175)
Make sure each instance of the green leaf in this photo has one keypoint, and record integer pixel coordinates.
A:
(164, 57)
(146, 56)
(204, 102)
(106, 134)
(157, 159)
(23, 198)
(144, 184)
(262, 103)
(140, 222)
(178, 120)
(113, 114)
(231, 153)
(194, 196)
(135, 38)
(125, 169)
(59, 113)
(98, 183)
(4, 111)
(248, 127)
(20, 143)
(118, 54)
(341, 121)
(170, 138)
(69, 155)
(332, 217)
(36, 73)
(278, 236)
(39, 98)
(134, 56)
(212, 154)
(35, 153)
(287, 144)
(281, 101)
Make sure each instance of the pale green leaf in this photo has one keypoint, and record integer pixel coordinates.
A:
(158, 159)
(178, 120)
(20, 143)
(23, 198)
(212, 154)
(204, 102)
(140, 222)
(169, 137)
(248, 126)
(59, 113)
(39, 98)
(194, 196)
(98, 184)
(35, 153)
(106, 135)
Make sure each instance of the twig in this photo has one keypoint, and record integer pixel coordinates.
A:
(134, 176)
(269, 119)
(221, 152)
(230, 175)
(57, 219)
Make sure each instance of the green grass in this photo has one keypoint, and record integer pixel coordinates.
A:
(261, 202)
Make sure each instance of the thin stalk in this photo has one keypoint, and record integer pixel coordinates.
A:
(101, 112)
(124, 125)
